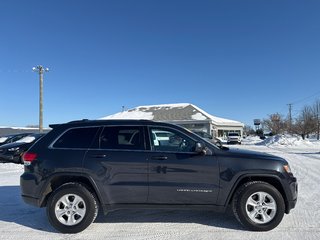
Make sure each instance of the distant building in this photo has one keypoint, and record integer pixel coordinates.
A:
(183, 114)
(15, 130)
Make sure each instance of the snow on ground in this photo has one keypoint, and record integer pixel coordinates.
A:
(19, 220)
(250, 140)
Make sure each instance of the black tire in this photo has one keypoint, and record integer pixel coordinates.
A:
(87, 205)
(269, 211)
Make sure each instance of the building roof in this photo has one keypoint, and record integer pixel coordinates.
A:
(171, 113)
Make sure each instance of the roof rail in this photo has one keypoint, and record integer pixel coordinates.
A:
(79, 121)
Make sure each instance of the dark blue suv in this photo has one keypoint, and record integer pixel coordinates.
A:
(83, 165)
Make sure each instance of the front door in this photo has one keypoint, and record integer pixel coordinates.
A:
(177, 174)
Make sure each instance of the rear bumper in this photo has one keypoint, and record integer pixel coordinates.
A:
(30, 189)
(31, 200)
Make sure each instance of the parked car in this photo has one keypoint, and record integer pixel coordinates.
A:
(208, 137)
(12, 138)
(81, 166)
(233, 137)
(12, 152)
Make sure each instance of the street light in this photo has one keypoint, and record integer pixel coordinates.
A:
(40, 69)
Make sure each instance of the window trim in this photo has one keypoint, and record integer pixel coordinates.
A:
(146, 139)
(69, 129)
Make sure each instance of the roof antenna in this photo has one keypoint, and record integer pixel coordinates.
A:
(122, 108)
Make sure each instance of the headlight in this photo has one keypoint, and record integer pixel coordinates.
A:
(287, 168)
(13, 149)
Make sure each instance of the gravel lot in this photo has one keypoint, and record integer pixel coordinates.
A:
(19, 220)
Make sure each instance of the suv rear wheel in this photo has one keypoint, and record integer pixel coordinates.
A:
(258, 206)
(71, 208)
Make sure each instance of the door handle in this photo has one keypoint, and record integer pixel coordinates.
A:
(159, 158)
(99, 156)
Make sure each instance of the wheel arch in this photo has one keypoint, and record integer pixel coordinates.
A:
(60, 179)
(271, 179)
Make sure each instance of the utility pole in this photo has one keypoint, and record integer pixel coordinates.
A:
(40, 69)
(290, 117)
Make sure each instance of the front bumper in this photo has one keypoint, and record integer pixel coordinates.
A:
(293, 196)
(233, 142)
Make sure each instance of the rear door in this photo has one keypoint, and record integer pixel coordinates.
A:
(177, 174)
(117, 161)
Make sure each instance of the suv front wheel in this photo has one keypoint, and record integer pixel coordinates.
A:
(258, 206)
(71, 208)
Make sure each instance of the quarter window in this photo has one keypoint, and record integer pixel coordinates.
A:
(76, 138)
(166, 140)
(122, 137)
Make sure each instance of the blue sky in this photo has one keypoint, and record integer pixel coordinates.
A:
(234, 59)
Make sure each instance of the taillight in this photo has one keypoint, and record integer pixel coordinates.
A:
(28, 157)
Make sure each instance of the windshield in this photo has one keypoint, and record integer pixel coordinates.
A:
(27, 139)
(3, 139)
(204, 135)
(233, 134)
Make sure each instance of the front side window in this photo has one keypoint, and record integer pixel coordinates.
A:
(167, 140)
(76, 138)
(122, 137)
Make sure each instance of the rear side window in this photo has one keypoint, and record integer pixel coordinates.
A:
(76, 138)
(122, 137)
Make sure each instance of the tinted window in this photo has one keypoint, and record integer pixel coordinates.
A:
(76, 138)
(170, 141)
(122, 137)
(233, 134)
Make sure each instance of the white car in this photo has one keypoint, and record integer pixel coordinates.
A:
(234, 137)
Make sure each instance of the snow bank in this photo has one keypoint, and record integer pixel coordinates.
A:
(251, 140)
(21, 128)
(286, 140)
(10, 167)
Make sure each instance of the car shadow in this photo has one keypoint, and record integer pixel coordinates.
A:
(209, 218)
(13, 209)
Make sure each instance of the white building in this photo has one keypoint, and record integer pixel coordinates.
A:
(184, 114)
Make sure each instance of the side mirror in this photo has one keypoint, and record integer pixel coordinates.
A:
(218, 144)
(201, 148)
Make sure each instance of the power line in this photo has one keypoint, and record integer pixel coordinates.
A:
(303, 99)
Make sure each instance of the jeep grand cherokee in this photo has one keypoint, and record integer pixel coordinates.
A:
(83, 165)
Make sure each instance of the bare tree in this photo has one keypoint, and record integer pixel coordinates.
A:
(275, 123)
(248, 130)
(305, 123)
(316, 112)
